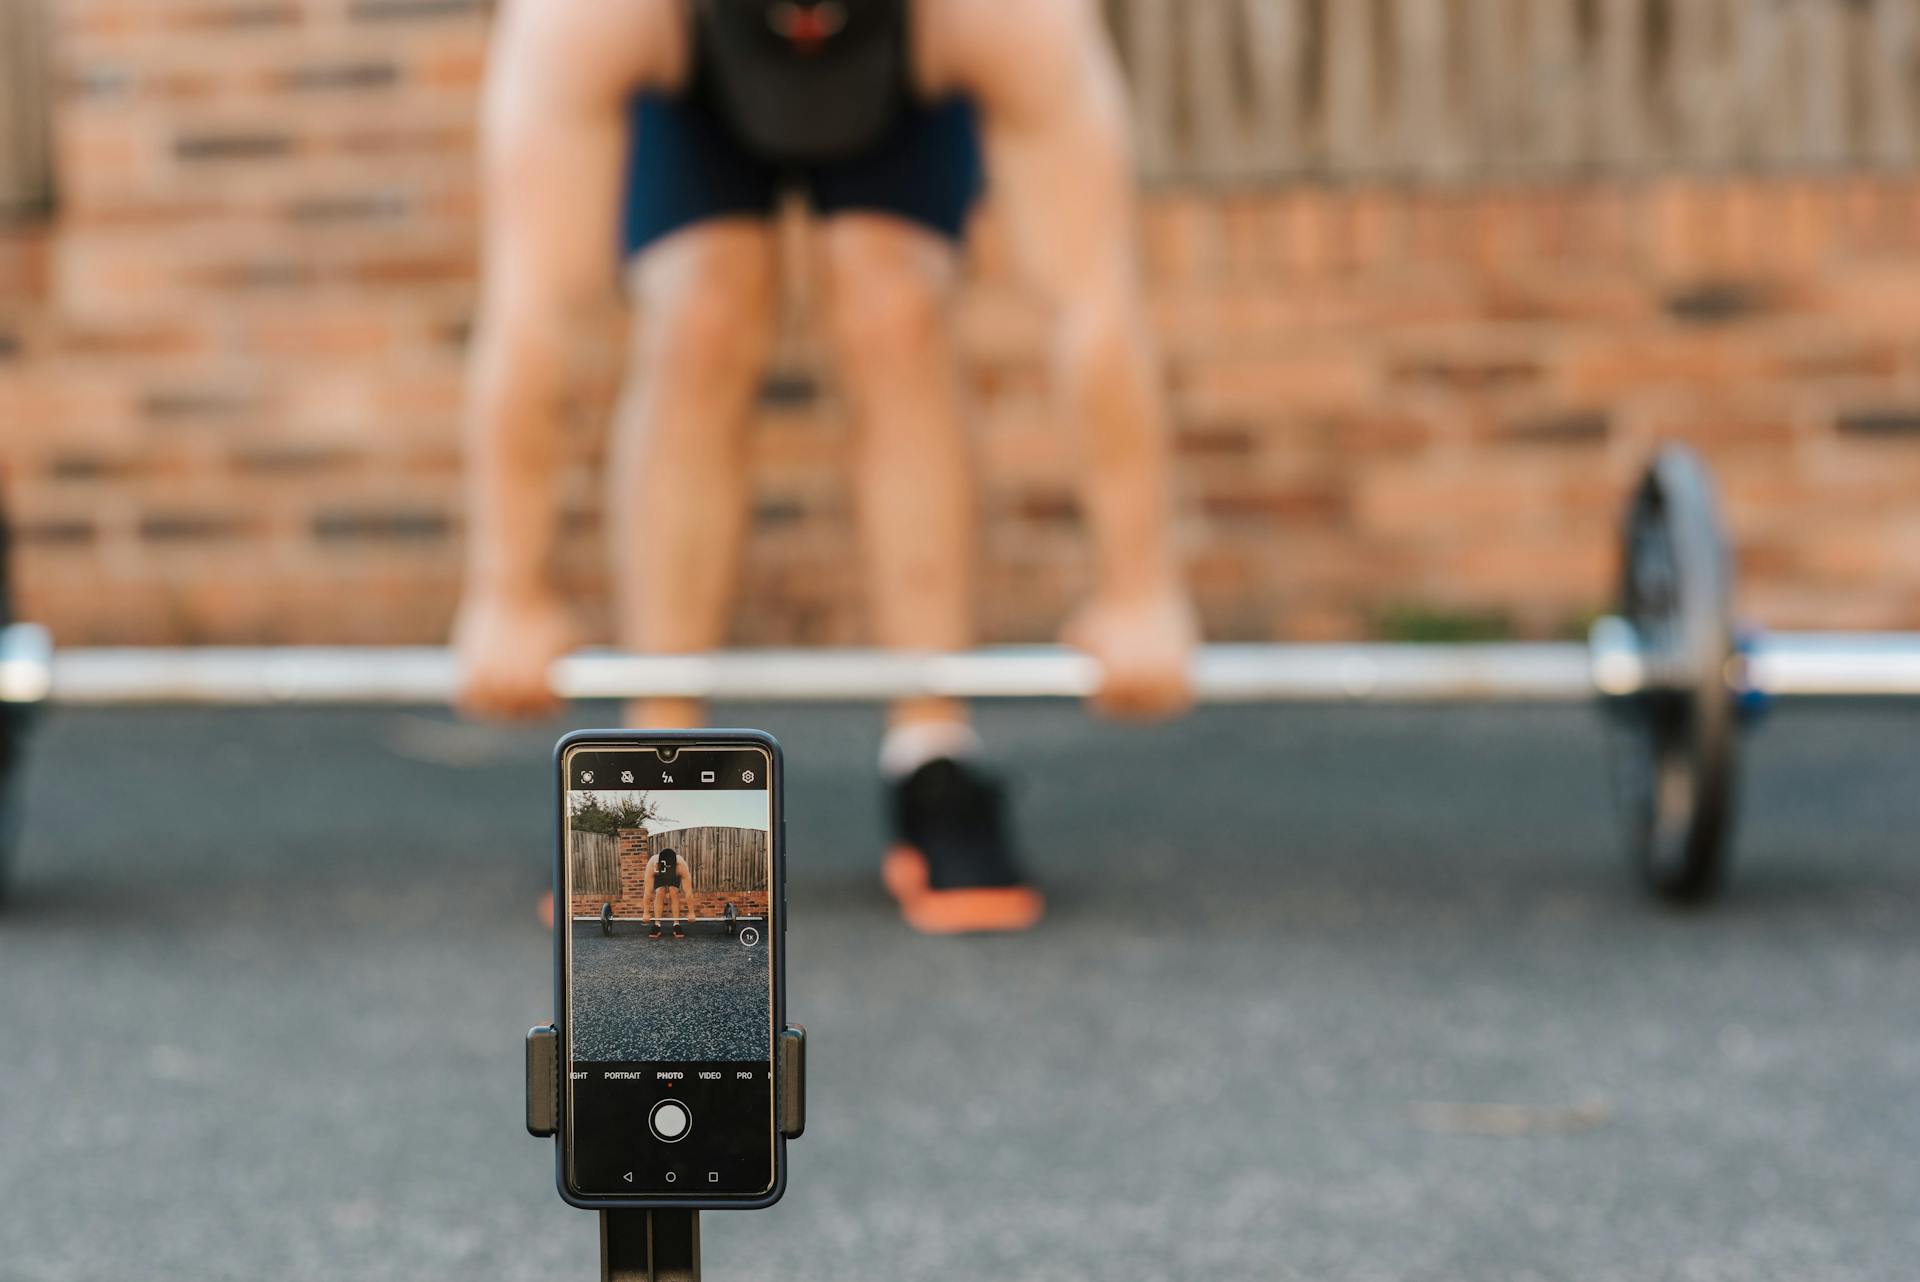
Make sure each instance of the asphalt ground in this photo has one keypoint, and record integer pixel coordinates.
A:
(1324, 993)
(699, 998)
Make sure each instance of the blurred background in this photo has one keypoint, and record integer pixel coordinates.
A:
(1431, 276)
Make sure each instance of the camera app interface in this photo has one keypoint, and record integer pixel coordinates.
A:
(669, 973)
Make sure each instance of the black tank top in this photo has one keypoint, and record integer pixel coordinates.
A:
(797, 103)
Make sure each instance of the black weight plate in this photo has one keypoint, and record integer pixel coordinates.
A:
(606, 919)
(12, 767)
(1675, 758)
(13, 730)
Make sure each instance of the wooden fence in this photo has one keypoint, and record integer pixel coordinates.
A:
(1236, 90)
(723, 859)
(596, 864)
(26, 89)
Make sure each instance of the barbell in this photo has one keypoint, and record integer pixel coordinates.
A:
(1675, 676)
(1612, 662)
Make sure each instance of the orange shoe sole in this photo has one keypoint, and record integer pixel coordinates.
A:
(972, 911)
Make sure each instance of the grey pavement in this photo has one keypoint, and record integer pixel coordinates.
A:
(699, 998)
(1325, 993)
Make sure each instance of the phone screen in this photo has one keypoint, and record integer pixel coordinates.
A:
(669, 965)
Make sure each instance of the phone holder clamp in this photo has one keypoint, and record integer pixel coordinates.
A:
(663, 1245)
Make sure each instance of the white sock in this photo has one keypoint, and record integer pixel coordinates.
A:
(907, 748)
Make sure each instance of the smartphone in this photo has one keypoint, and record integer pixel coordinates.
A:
(670, 890)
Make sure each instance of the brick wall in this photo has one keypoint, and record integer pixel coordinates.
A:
(230, 371)
(636, 850)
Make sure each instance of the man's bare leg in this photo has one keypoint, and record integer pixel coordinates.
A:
(889, 285)
(678, 486)
(951, 865)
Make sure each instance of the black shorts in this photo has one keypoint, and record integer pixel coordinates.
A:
(686, 167)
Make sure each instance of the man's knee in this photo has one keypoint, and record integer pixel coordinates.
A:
(887, 297)
(707, 302)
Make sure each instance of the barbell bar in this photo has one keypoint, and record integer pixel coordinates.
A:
(1671, 669)
(1612, 664)
(33, 671)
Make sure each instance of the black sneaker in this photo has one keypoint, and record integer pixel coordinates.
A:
(655, 932)
(951, 865)
(677, 932)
